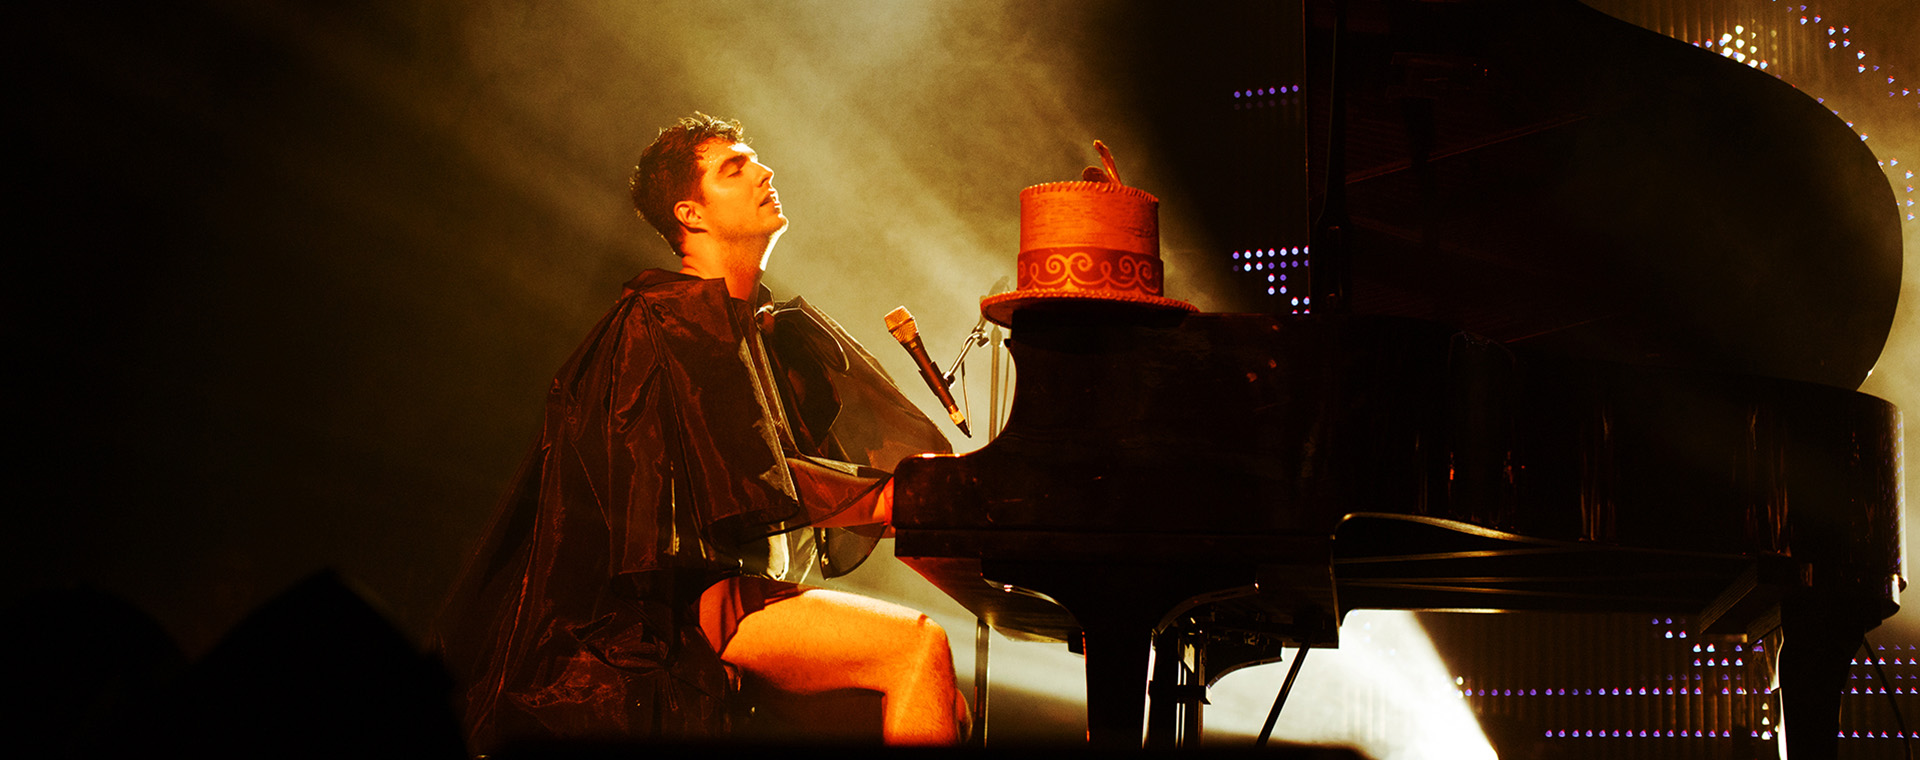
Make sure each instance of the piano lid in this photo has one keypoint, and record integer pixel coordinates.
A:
(1531, 170)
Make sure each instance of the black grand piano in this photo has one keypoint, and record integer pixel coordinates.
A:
(1553, 369)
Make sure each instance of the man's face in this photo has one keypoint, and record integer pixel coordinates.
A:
(737, 198)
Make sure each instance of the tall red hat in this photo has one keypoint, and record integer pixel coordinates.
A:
(1095, 241)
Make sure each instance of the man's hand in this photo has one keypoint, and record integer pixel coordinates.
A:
(883, 507)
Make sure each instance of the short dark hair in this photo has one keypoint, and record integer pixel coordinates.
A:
(669, 173)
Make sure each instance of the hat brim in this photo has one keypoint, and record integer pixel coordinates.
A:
(999, 308)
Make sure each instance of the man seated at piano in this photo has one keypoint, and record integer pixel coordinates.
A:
(702, 450)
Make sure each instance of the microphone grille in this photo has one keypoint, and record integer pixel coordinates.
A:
(900, 323)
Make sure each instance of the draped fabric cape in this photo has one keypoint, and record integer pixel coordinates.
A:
(690, 438)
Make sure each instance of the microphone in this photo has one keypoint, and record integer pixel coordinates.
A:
(900, 323)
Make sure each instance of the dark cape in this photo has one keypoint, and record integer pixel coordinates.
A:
(691, 437)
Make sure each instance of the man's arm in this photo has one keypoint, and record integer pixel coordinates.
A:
(835, 498)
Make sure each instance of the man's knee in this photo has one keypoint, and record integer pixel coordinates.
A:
(931, 638)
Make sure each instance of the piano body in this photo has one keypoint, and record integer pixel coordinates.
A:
(1221, 485)
(1297, 470)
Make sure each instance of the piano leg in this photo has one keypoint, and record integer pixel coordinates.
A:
(1118, 608)
(1116, 649)
(1820, 633)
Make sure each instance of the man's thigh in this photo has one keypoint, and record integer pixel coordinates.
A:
(808, 640)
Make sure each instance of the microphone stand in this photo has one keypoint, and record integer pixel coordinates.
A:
(1330, 274)
(976, 338)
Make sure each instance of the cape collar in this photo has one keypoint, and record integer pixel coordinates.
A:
(652, 278)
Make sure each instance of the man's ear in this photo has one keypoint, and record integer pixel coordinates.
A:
(690, 215)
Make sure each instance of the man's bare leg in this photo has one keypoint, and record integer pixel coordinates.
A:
(820, 640)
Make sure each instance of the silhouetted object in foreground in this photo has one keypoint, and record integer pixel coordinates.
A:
(315, 672)
(78, 663)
